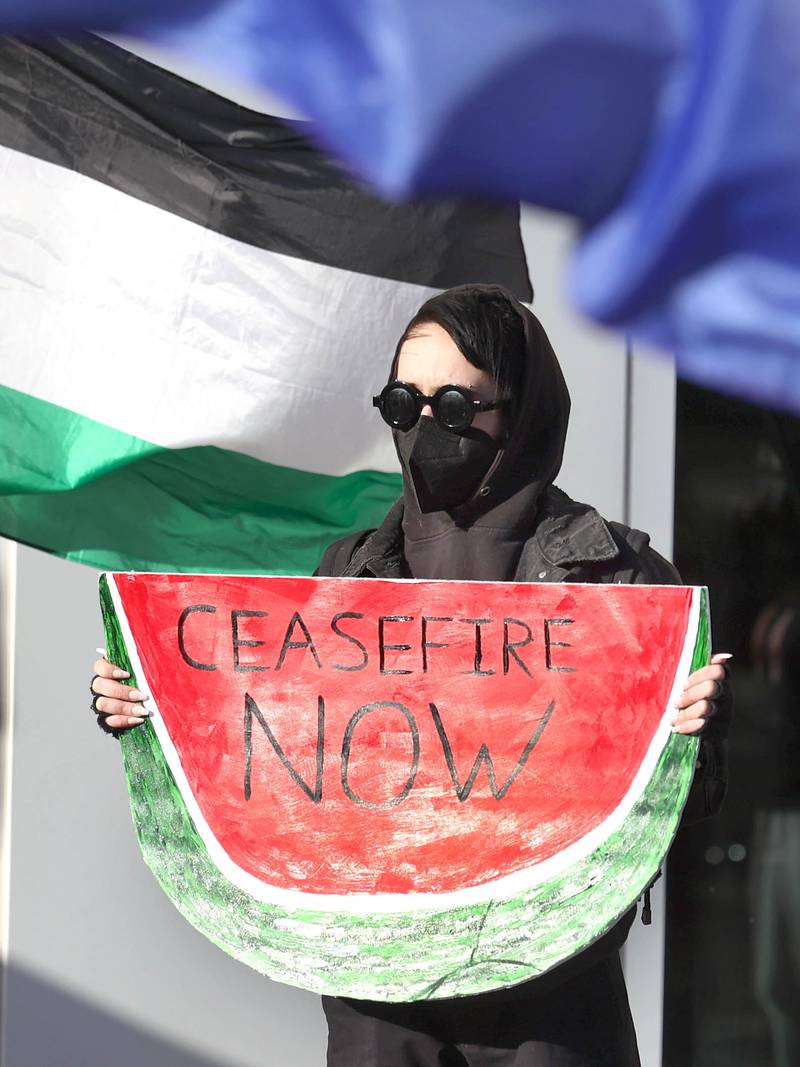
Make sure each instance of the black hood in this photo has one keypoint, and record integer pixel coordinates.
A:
(482, 538)
(534, 447)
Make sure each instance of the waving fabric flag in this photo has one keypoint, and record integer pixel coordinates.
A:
(668, 128)
(199, 307)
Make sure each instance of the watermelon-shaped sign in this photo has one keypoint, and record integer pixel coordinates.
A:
(401, 790)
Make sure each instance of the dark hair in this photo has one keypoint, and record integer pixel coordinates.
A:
(485, 325)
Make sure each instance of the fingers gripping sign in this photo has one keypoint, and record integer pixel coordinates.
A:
(118, 705)
(697, 703)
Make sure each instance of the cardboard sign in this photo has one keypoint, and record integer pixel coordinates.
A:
(368, 766)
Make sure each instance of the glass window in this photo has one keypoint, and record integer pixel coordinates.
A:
(733, 913)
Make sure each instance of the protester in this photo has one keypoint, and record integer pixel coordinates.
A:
(478, 409)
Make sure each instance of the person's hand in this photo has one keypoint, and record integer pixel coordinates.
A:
(119, 704)
(696, 704)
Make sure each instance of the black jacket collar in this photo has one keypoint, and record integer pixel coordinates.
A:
(566, 533)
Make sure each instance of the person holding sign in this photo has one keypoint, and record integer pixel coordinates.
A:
(478, 410)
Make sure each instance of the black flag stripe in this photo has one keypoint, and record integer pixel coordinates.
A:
(90, 106)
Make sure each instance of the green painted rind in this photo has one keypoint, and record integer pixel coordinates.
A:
(116, 651)
(702, 645)
(405, 956)
(209, 509)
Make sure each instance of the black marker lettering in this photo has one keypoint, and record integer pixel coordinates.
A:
(181, 637)
(239, 642)
(477, 623)
(548, 643)
(251, 709)
(426, 644)
(382, 646)
(510, 647)
(349, 637)
(296, 620)
(347, 744)
(484, 756)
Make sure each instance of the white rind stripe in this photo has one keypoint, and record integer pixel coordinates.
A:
(175, 334)
(500, 888)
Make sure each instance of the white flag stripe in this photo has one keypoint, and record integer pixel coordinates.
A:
(175, 334)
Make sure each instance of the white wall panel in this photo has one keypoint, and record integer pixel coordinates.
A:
(593, 361)
(124, 978)
(651, 477)
(619, 457)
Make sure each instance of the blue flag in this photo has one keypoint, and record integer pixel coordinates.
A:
(668, 128)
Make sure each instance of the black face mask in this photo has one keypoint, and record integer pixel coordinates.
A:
(442, 468)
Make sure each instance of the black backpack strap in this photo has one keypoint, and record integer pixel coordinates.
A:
(338, 555)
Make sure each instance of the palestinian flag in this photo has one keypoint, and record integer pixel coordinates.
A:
(198, 309)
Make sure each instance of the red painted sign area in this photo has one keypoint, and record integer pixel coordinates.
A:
(350, 735)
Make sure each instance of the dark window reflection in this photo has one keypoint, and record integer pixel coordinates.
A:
(733, 922)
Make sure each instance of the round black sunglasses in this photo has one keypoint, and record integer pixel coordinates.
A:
(454, 407)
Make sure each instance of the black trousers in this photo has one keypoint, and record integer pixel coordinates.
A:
(582, 1021)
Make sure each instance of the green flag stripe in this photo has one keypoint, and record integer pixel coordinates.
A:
(99, 496)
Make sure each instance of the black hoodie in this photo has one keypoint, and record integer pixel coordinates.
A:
(482, 539)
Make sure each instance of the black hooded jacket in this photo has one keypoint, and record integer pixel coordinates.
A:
(568, 542)
(482, 539)
(517, 526)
